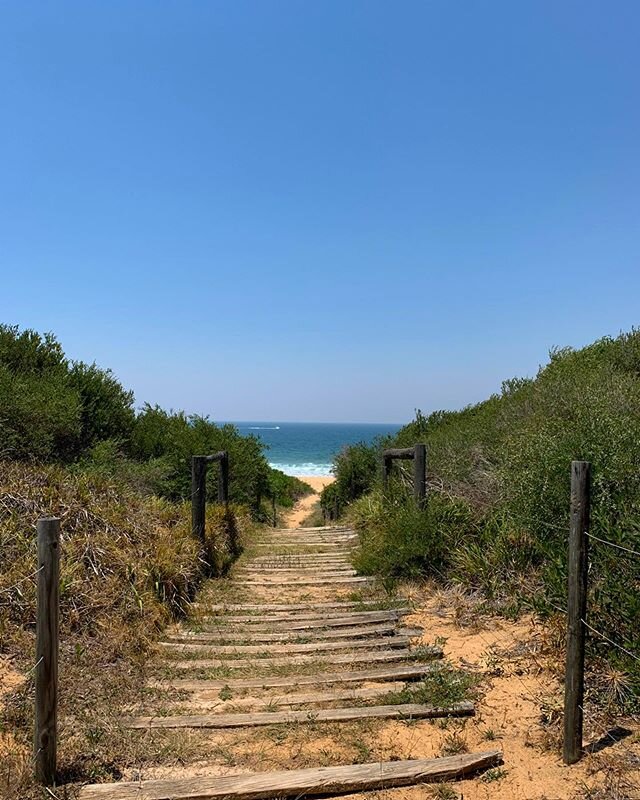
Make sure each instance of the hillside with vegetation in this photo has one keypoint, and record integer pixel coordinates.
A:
(72, 445)
(497, 516)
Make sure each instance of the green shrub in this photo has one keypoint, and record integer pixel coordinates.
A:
(507, 460)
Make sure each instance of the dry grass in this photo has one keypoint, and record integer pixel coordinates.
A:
(128, 565)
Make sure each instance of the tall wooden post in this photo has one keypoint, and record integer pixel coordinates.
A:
(198, 495)
(223, 479)
(46, 671)
(273, 505)
(386, 470)
(420, 474)
(576, 610)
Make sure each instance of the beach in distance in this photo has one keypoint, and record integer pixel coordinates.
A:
(307, 449)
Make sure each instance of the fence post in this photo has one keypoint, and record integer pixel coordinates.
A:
(198, 496)
(420, 474)
(576, 610)
(273, 506)
(46, 716)
(223, 479)
(386, 469)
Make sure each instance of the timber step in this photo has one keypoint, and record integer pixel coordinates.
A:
(405, 711)
(405, 672)
(260, 608)
(300, 782)
(304, 621)
(277, 582)
(272, 702)
(357, 657)
(210, 649)
(295, 636)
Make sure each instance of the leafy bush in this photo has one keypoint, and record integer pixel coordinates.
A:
(53, 410)
(507, 460)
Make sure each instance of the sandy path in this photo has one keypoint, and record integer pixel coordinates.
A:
(305, 505)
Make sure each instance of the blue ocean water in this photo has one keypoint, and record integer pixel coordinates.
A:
(308, 448)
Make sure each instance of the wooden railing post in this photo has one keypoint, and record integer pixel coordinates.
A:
(576, 610)
(223, 479)
(198, 496)
(420, 474)
(46, 671)
(386, 471)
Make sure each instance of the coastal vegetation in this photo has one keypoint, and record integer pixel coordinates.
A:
(72, 445)
(497, 515)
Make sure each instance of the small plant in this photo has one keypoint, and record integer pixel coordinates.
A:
(225, 693)
(443, 791)
(495, 774)
(454, 743)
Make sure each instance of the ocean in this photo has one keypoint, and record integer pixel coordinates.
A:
(308, 448)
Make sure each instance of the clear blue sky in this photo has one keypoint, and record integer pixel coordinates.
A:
(319, 210)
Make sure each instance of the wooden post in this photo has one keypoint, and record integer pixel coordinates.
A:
(386, 470)
(576, 610)
(223, 479)
(273, 504)
(46, 717)
(198, 495)
(420, 474)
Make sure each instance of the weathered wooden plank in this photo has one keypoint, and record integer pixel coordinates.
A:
(253, 608)
(311, 581)
(260, 718)
(272, 702)
(300, 782)
(302, 621)
(326, 571)
(357, 657)
(277, 574)
(248, 635)
(406, 672)
(197, 649)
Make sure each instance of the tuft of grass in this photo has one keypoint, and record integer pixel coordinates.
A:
(442, 688)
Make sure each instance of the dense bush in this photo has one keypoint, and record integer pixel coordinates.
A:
(53, 410)
(498, 513)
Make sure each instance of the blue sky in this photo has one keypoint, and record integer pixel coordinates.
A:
(319, 211)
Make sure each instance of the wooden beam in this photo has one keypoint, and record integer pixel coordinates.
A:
(300, 782)
(276, 582)
(405, 672)
(248, 635)
(303, 621)
(262, 607)
(398, 452)
(269, 702)
(208, 650)
(405, 711)
(357, 657)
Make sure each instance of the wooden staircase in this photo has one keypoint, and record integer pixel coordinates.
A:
(303, 641)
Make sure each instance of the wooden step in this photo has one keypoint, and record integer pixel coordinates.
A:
(288, 574)
(272, 702)
(208, 650)
(300, 782)
(302, 621)
(311, 581)
(251, 569)
(294, 636)
(405, 711)
(357, 657)
(259, 608)
(405, 672)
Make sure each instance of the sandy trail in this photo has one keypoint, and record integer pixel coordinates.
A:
(305, 505)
